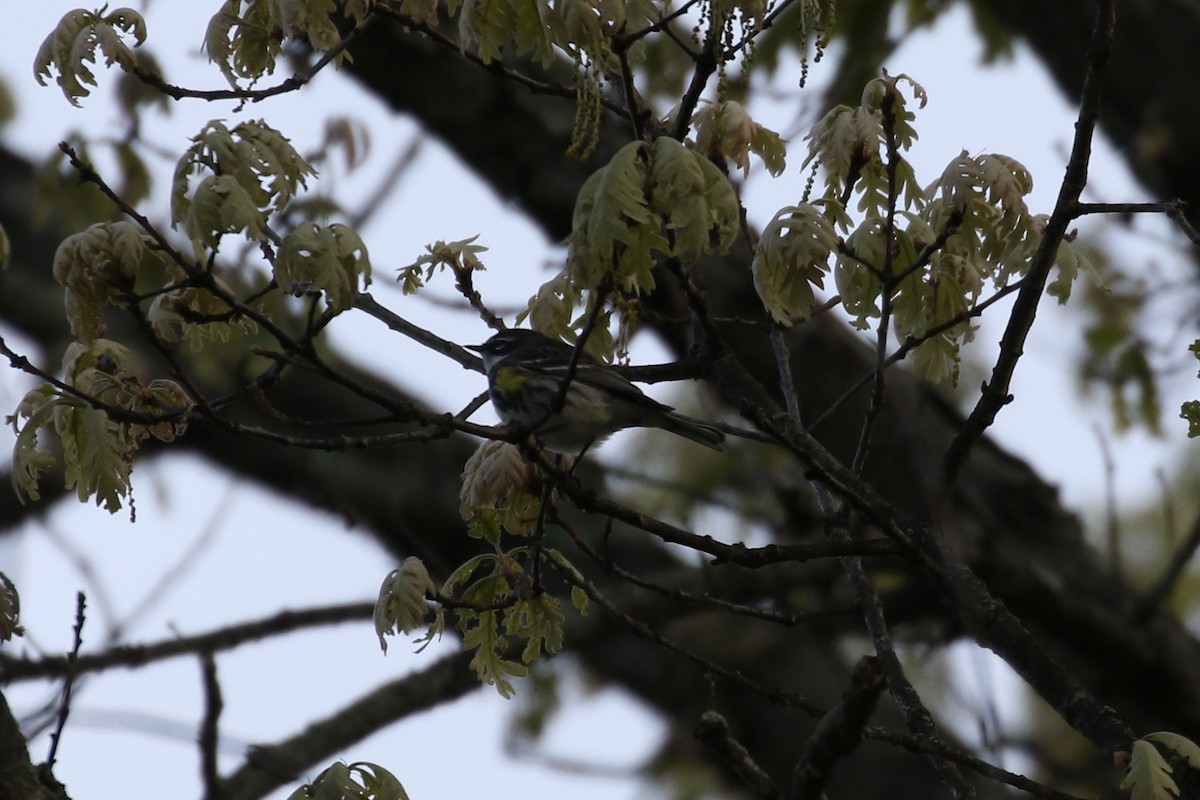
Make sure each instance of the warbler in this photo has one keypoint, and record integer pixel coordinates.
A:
(525, 371)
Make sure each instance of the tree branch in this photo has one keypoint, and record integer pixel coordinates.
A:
(995, 392)
(838, 732)
(128, 656)
(208, 739)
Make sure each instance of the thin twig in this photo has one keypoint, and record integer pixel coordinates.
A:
(969, 761)
(269, 766)
(790, 619)
(916, 716)
(128, 656)
(637, 116)
(910, 344)
(297, 81)
(388, 184)
(626, 39)
(64, 708)
(644, 631)
(995, 394)
(838, 732)
(879, 392)
(713, 732)
(208, 737)
(986, 619)
(588, 500)
(783, 364)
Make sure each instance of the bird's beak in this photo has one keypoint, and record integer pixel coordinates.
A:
(478, 348)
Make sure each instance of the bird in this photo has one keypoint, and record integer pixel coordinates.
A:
(525, 370)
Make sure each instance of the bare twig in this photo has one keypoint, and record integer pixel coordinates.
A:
(838, 732)
(789, 618)
(465, 283)
(705, 66)
(297, 81)
(910, 344)
(995, 392)
(969, 761)
(713, 731)
(738, 553)
(209, 733)
(987, 619)
(1176, 211)
(64, 708)
(388, 184)
(916, 716)
(626, 39)
(127, 656)
(878, 393)
(636, 114)
(783, 364)
(644, 631)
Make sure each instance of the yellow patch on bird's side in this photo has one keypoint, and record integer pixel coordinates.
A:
(509, 379)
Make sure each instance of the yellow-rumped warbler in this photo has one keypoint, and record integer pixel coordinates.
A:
(525, 370)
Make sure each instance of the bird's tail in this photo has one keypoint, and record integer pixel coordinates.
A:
(700, 432)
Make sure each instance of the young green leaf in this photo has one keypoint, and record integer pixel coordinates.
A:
(97, 267)
(725, 130)
(78, 39)
(1149, 775)
(249, 172)
(1178, 744)
(401, 604)
(10, 610)
(361, 780)
(323, 258)
(461, 255)
(793, 257)
(193, 314)
(499, 489)
(97, 450)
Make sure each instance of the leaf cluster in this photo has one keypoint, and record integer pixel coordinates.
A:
(496, 596)
(652, 200)
(725, 130)
(401, 604)
(458, 256)
(245, 37)
(76, 42)
(360, 780)
(329, 259)
(183, 312)
(245, 174)
(97, 267)
(925, 252)
(96, 448)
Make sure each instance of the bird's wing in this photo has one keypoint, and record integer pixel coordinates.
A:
(591, 372)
